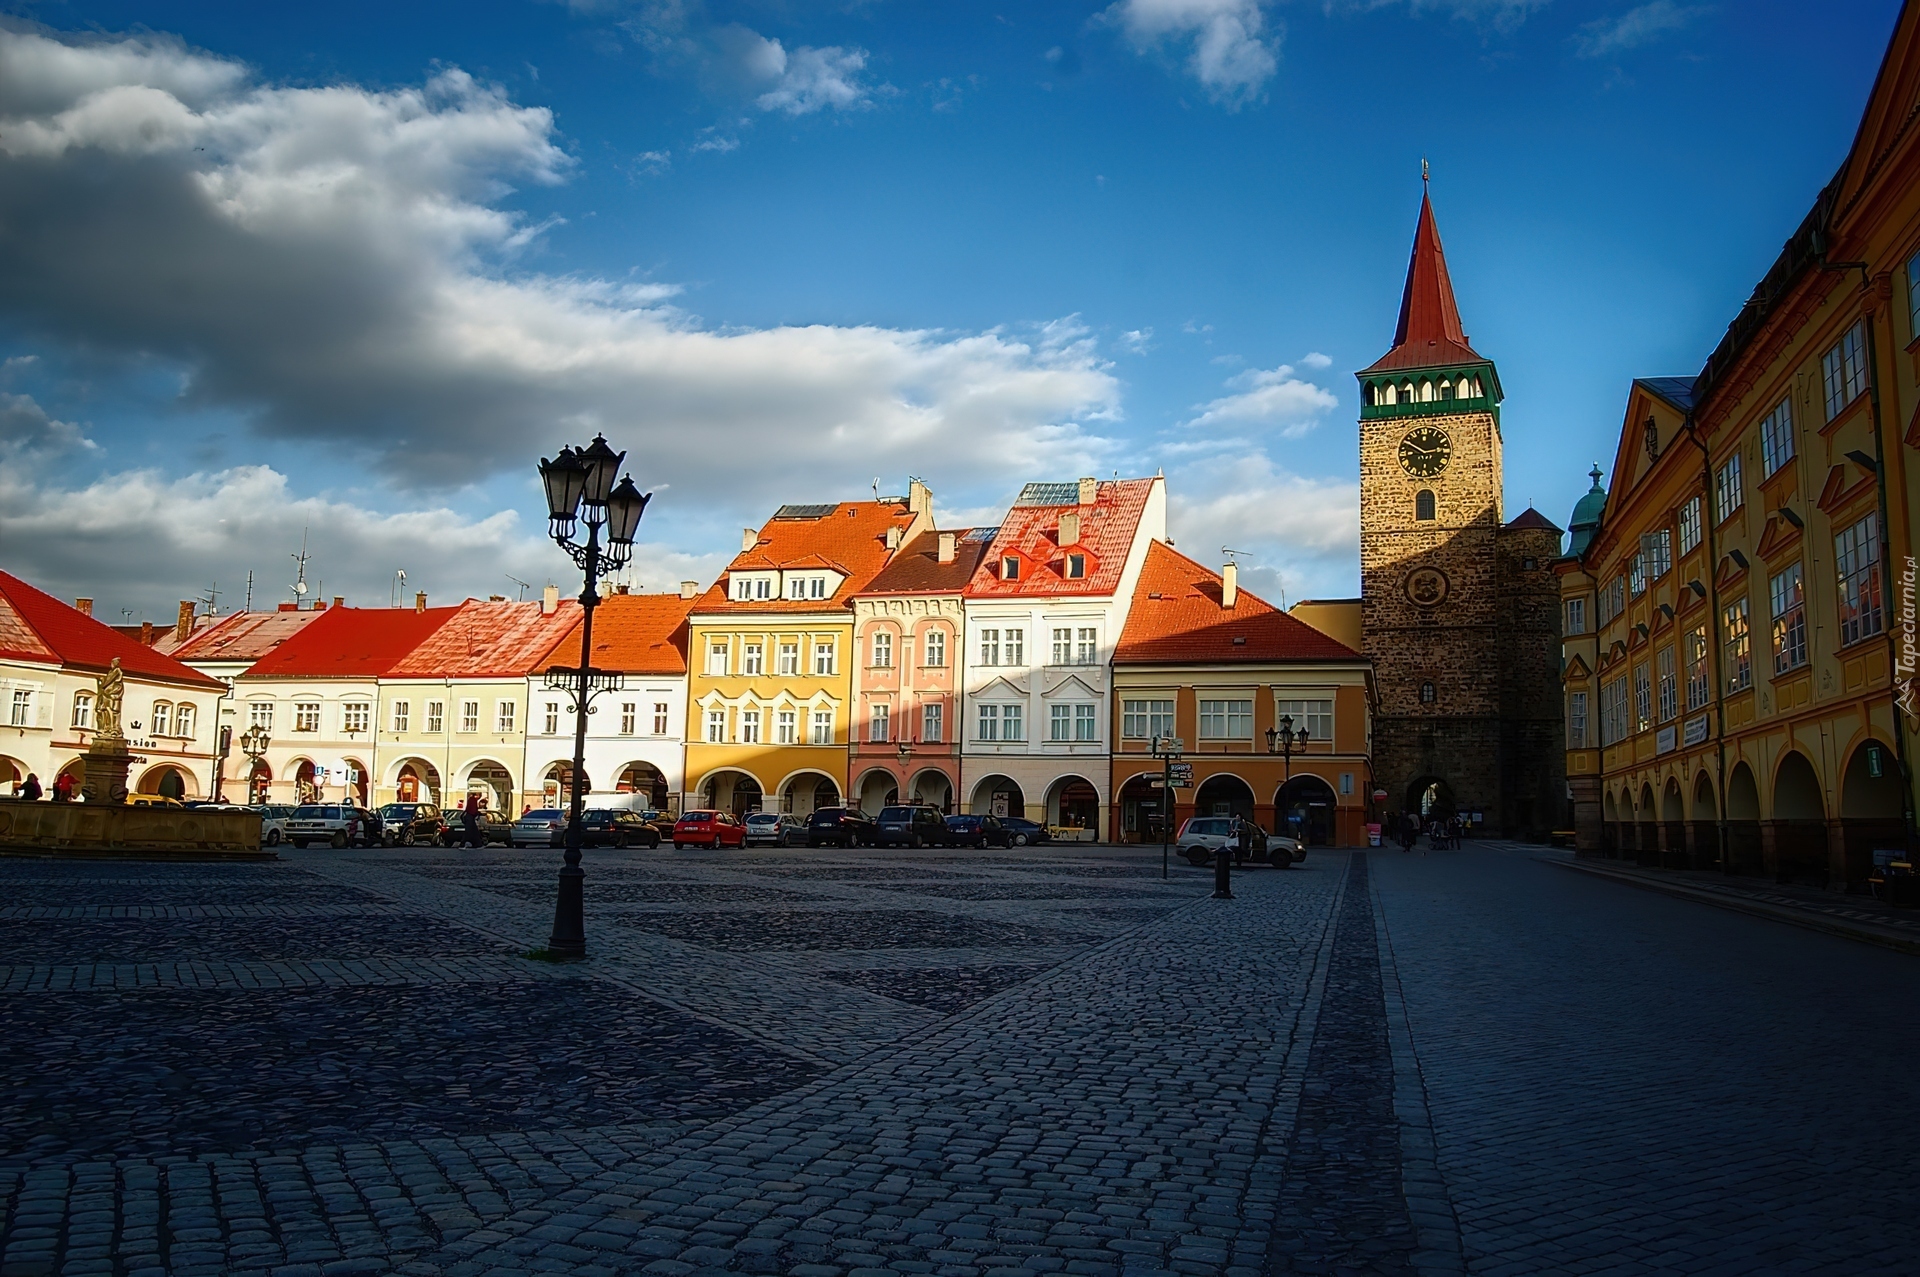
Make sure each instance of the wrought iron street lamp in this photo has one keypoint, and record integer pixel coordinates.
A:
(580, 489)
(1286, 738)
(253, 743)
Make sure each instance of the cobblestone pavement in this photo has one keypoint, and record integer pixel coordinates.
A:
(841, 1064)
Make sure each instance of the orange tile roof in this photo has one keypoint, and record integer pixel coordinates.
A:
(1107, 529)
(35, 626)
(240, 636)
(489, 639)
(1176, 619)
(851, 539)
(917, 568)
(632, 633)
(351, 642)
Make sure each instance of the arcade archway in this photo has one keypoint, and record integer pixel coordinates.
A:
(998, 796)
(1143, 810)
(877, 789)
(933, 788)
(1224, 796)
(732, 791)
(494, 783)
(1306, 807)
(1432, 798)
(808, 792)
(1073, 803)
(644, 778)
(417, 781)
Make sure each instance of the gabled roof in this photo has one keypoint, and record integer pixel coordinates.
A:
(240, 636)
(1107, 529)
(1531, 520)
(1429, 334)
(632, 633)
(35, 626)
(917, 568)
(351, 642)
(489, 639)
(1176, 619)
(1677, 391)
(848, 537)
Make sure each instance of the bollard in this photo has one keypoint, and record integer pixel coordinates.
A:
(1222, 874)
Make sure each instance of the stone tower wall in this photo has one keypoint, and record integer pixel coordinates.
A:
(1533, 731)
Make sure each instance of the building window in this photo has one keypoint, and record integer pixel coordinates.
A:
(1059, 722)
(749, 727)
(1013, 646)
(629, 717)
(1085, 724)
(882, 650)
(933, 722)
(436, 718)
(752, 659)
(1226, 720)
(162, 719)
(796, 587)
(717, 653)
(1669, 686)
(1144, 720)
(1739, 647)
(1576, 720)
(1013, 722)
(936, 648)
(1009, 568)
(1087, 646)
(1315, 716)
(1696, 657)
(1729, 494)
(22, 708)
(823, 657)
(1690, 525)
(260, 714)
(1856, 556)
(504, 715)
(790, 658)
(987, 726)
(469, 716)
(823, 727)
(183, 721)
(786, 727)
(550, 716)
(716, 726)
(1062, 646)
(1657, 547)
(1613, 711)
(1576, 616)
(306, 716)
(659, 718)
(1776, 438)
(1427, 694)
(879, 723)
(1076, 566)
(1642, 698)
(354, 716)
(1785, 591)
(1423, 505)
(989, 647)
(402, 715)
(1845, 370)
(1637, 572)
(817, 587)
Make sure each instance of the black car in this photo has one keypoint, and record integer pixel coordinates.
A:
(494, 828)
(616, 828)
(977, 831)
(1021, 832)
(840, 827)
(911, 827)
(410, 824)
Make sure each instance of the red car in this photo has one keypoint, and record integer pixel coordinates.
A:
(708, 829)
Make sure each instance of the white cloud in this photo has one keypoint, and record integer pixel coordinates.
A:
(1502, 15)
(1137, 341)
(1228, 49)
(28, 432)
(1314, 359)
(1633, 28)
(814, 79)
(1268, 398)
(1300, 536)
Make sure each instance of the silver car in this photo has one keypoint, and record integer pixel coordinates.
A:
(543, 827)
(775, 829)
(1202, 836)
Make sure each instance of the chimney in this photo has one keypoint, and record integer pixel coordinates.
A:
(319, 605)
(622, 588)
(289, 607)
(420, 601)
(146, 634)
(948, 545)
(339, 601)
(183, 621)
(893, 537)
(83, 606)
(689, 589)
(496, 598)
(1089, 488)
(919, 498)
(749, 537)
(1229, 584)
(1070, 528)
(550, 600)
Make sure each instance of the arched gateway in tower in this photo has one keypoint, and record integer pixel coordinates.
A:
(1459, 608)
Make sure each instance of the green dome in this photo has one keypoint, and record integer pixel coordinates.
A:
(1586, 517)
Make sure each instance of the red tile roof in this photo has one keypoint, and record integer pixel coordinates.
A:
(489, 640)
(1176, 619)
(632, 633)
(917, 568)
(1429, 332)
(1107, 528)
(851, 539)
(351, 642)
(35, 626)
(241, 636)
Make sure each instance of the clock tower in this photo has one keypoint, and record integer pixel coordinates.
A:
(1454, 599)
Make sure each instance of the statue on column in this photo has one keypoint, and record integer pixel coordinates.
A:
(109, 692)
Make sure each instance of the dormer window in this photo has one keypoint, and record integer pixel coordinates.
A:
(1076, 567)
(1010, 568)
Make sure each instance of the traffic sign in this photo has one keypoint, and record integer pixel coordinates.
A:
(1181, 774)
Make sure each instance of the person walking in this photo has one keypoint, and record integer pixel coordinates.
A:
(28, 790)
(470, 821)
(63, 788)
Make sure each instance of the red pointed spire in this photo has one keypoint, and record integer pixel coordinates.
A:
(1429, 332)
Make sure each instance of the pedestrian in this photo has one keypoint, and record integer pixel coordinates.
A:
(63, 788)
(470, 819)
(30, 788)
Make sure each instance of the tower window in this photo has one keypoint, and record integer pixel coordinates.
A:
(1369, 394)
(1446, 388)
(1427, 694)
(1423, 504)
(1408, 393)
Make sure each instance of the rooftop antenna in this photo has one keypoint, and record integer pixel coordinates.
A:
(524, 585)
(212, 599)
(876, 489)
(127, 612)
(249, 606)
(399, 584)
(300, 580)
(1232, 555)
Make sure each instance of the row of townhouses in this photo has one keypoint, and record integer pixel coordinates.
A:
(850, 653)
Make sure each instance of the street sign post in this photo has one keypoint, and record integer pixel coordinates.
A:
(1167, 749)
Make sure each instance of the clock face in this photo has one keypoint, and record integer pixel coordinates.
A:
(1425, 451)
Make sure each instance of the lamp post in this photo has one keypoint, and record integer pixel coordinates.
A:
(1284, 739)
(253, 743)
(580, 489)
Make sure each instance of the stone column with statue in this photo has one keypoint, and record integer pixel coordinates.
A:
(107, 760)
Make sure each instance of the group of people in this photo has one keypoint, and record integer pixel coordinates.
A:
(1443, 834)
(65, 789)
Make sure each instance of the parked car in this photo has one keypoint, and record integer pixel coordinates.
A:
(911, 827)
(615, 827)
(714, 829)
(494, 828)
(774, 829)
(840, 826)
(541, 827)
(153, 800)
(1020, 832)
(336, 824)
(273, 822)
(1201, 836)
(410, 824)
(977, 831)
(662, 821)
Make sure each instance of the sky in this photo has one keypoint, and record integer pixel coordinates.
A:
(343, 273)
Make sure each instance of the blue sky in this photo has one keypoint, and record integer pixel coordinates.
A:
(348, 269)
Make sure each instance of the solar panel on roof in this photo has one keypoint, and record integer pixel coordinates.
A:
(804, 511)
(1049, 494)
(981, 534)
